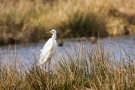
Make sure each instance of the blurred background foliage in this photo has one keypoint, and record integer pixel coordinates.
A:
(23, 21)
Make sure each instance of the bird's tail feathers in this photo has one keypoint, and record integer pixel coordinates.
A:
(42, 61)
(39, 62)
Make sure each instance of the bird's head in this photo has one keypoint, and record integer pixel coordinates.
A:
(53, 31)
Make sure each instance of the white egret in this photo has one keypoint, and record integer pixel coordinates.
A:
(48, 50)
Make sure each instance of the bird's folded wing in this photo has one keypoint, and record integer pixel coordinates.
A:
(47, 47)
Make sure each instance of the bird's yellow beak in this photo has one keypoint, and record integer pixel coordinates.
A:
(49, 32)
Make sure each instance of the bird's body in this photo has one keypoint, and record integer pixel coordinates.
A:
(48, 50)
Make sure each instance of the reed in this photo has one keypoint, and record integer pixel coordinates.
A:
(85, 67)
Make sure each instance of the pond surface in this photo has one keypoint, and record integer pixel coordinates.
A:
(27, 52)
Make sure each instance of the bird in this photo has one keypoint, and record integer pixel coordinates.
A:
(93, 40)
(48, 50)
(60, 42)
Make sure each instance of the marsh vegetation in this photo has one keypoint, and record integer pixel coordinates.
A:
(88, 67)
(23, 21)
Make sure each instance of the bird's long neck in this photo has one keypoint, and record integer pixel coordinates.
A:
(54, 36)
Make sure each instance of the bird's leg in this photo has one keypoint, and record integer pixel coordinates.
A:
(44, 66)
(49, 64)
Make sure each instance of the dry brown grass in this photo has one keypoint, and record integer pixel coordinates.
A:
(27, 20)
(87, 68)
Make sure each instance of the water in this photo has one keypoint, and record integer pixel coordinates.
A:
(27, 52)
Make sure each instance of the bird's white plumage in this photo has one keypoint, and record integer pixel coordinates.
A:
(48, 50)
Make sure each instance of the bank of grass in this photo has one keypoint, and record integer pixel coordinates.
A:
(89, 67)
(25, 21)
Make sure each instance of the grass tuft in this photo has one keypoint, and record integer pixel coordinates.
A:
(85, 67)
